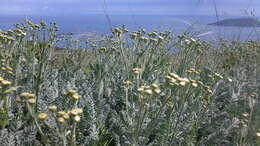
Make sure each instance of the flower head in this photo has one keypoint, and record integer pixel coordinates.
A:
(157, 91)
(76, 111)
(27, 95)
(230, 80)
(141, 89)
(154, 86)
(61, 113)
(136, 71)
(148, 91)
(66, 116)
(42, 116)
(61, 120)
(32, 101)
(194, 85)
(6, 83)
(52, 108)
(75, 96)
(173, 75)
(128, 83)
(245, 115)
(77, 118)
(182, 83)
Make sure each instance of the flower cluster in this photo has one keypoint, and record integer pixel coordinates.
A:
(72, 94)
(137, 71)
(5, 37)
(174, 80)
(63, 116)
(4, 83)
(149, 90)
(128, 83)
(28, 98)
(193, 71)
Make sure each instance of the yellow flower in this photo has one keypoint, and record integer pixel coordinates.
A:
(154, 86)
(66, 116)
(245, 115)
(182, 83)
(9, 72)
(133, 35)
(137, 71)
(174, 75)
(6, 83)
(157, 91)
(141, 89)
(218, 76)
(192, 69)
(209, 91)
(61, 113)
(52, 108)
(24, 95)
(148, 91)
(192, 81)
(76, 111)
(172, 80)
(1, 79)
(61, 120)
(75, 96)
(194, 85)
(42, 116)
(207, 87)
(184, 80)
(31, 96)
(200, 83)
(71, 92)
(196, 72)
(144, 39)
(9, 68)
(128, 83)
(189, 71)
(3, 68)
(77, 118)
(230, 80)
(32, 101)
(168, 77)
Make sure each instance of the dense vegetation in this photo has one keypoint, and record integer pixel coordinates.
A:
(138, 88)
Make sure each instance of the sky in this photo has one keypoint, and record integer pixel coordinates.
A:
(136, 7)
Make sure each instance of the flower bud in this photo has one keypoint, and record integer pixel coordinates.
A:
(52, 108)
(32, 101)
(77, 118)
(61, 120)
(42, 116)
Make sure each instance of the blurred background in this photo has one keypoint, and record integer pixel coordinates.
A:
(99, 16)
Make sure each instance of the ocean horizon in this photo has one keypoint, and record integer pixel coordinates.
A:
(102, 24)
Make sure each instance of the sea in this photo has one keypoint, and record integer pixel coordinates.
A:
(102, 24)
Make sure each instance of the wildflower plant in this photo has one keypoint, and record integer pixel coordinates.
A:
(128, 88)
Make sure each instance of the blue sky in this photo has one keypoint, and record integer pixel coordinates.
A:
(136, 7)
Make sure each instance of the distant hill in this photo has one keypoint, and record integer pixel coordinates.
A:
(238, 22)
